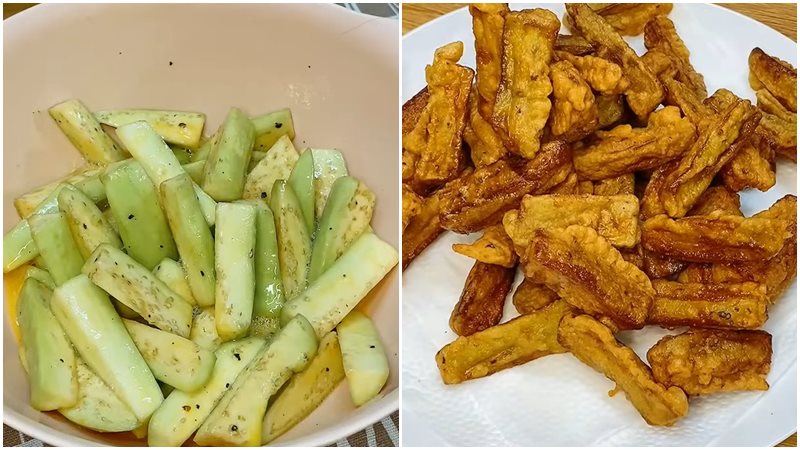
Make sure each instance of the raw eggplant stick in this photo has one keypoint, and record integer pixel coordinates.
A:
(337, 291)
(268, 298)
(96, 331)
(176, 127)
(204, 330)
(363, 357)
(137, 212)
(276, 165)
(234, 250)
(173, 423)
(85, 132)
(49, 357)
(86, 222)
(294, 242)
(196, 170)
(173, 360)
(159, 162)
(172, 274)
(271, 126)
(237, 419)
(204, 150)
(98, 407)
(226, 166)
(192, 235)
(347, 217)
(329, 166)
(302, 181)
(134, 285)
(56, 245)
(86, 179)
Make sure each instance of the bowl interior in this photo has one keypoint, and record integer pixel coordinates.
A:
(336, 70)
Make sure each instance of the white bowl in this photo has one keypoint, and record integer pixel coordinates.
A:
(337, 71)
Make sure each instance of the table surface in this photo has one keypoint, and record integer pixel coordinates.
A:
(781, 17)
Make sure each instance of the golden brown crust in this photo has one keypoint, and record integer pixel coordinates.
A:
(749, 168)
(482, 299)
(573, 44)
(594, 345)
(485, 145)
(732, 306)
(515, 342)
(522, 105)
(708, 361)
(412, 204)
(531, 296)
(475, 201)
(614, 217)
(717, 198)
(657, 266)
(568, 186)
(493, 247)
(644, 92)
(625, 149)
(436, 137)
(586, 271)
(779, 77)
(422, 230)
(660, 34)
(716, 237)
(620, 185)
(412, 109)
(488, 20)
(602, 75)
(574, 113)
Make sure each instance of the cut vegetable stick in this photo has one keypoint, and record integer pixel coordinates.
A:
(96, 331)
(276, 165)
(159, 162)
(329, 165)
(174, 360)
(85, 132)
(136, 208)
(176, 127)
(40, 275)
(363, 356)
(204, 150)
(347, 215)
(192, 235)
(173, 422)
(182, 154)
(56, 245)
(272, 126)
(237, 418)
(111, 220)
(294, 242)
(87, 179)
(305, 391)
(48, 354)
(98, 407)
(234, 249)
(255, 158)
(196, 169)
(302, 182)
(268, 297)
(204, 330)
(88, 225)
(226, 165)
(134, 285)
(337, 291)
(172, 274)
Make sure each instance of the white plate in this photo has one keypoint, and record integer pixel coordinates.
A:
(557, 400)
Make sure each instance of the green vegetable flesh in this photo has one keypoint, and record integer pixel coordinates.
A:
(302, 182)
(98, 407)
(176, 127)
(172, 274)
(56, 245)
(329, 166)
(204, 330)
(363, 356)
(272, 126)
(196, 169)
(294, 242)
(87, 178)
(234, 249)
(86, 222)
(276, 165)
(226, 166)
(84, 131)
(268, 298)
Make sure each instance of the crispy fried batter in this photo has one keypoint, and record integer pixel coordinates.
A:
(513, 343)
(656, 266)
(779, 77)
(721, 100)
(412, 204)
(610, 110)
(409, 163)
(625, 149)
(493, 247)
(602, 75)
(573, 44)
(475, 201)
(776, 273)
(630, 19)
(651, 204)
(594, 345)
(708, 361)
(531, 296)
(680, 95)
(436, 138)
(614, 217)
(769, 104)
(585, 187)
(716, 237)
(574, 114)
(488, 20)
(586, 271)
(620, 185)
(412, 110)
(660, 64)
(734, 306)
(485, 145)
(568, 186)
(422, 230)
(715, 146)
(482, 299)
(749, 169)
(779, 134)
(717, 198)
(660, 34)
(644, 92)
(522, 105)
